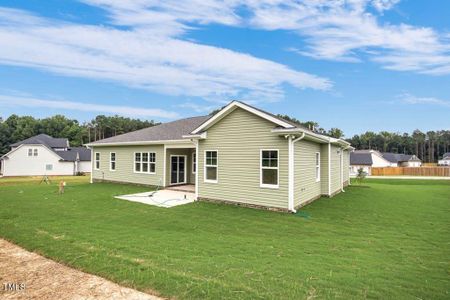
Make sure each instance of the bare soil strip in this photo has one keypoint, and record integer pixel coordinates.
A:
(27, 275)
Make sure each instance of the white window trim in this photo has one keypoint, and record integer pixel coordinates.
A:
(205, 166)
(30, 152)
(115, 161)
(192, 158)
(134, 163)
(95, 160)
(264, 185)
(317, 166)
(35, 152)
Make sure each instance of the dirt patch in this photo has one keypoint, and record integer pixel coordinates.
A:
(27, 275)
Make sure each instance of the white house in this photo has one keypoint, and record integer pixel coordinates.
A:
(402, 160)
(445, 161)
(45, 155)
(367, 159)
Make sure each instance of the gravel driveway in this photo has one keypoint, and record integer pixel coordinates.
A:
(27, 275)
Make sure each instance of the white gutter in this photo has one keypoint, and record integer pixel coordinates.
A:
(291, 170)
(138, 143)
(202, 135)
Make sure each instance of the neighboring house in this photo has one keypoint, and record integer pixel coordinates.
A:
(445, 161)
(367, 159)
(45, 155)
(240, 155)
(402, 160)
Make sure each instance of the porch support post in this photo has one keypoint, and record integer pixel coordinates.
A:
(329, 169)
(163, 184)
(92, 165)
(196, 169)
(290, 174)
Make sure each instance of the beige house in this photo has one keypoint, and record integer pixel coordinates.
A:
(241, 155)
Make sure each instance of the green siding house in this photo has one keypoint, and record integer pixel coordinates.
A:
(241, 155)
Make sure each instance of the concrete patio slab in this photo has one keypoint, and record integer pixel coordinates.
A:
(162, 198)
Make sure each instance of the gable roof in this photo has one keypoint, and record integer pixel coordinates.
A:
(83, 154)
(399, 157)
(44, 139)
(163, 132)
(237, 104)
(361, 158)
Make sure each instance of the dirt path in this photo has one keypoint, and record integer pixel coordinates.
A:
(46, 279)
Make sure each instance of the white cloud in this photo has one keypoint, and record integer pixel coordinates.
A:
(6, 100)
(345, 31)
(145, 56)
(411, 99)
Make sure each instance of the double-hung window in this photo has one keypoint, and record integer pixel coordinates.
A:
(317, 166)
(30, 152)
(145, 162)
(97, 160)
(211, 165)
(35, 152)
(269, 168)
(112, 161)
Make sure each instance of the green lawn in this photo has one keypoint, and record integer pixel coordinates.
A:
(386, 239)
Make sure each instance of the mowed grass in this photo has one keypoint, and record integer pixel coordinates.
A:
(385, 239)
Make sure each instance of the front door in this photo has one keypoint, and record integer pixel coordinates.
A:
(177, 169)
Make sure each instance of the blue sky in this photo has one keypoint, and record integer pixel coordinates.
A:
(356, 65)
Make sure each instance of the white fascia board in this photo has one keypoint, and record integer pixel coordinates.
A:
(160, 142)
(232, 106)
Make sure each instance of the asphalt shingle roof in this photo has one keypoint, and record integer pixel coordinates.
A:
(446, 155)
(166, 131)
(361, 158)
(44, 139)
(71, 154)
(398, 157)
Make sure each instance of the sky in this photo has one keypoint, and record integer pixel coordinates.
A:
(356, 65)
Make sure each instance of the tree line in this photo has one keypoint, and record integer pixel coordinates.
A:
(428, 146)
(16, 128)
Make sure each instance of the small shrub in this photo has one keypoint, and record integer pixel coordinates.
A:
(361, 175)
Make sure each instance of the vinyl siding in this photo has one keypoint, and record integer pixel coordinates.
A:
(190, 177)
(125, 164)
(238, 138)
(335, 169)
(19, 163)
(324, 168)
(305, 185)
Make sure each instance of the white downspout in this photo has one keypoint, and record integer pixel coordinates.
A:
(349, 181)
(291, 170)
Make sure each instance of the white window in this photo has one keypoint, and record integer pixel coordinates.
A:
(97, 161)
(35, 152)
(30, 152)
(112, 161)
(194, 162)
(211, 166)
(49, 167)
(145, 162)
(317, 166)
(269, 169)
